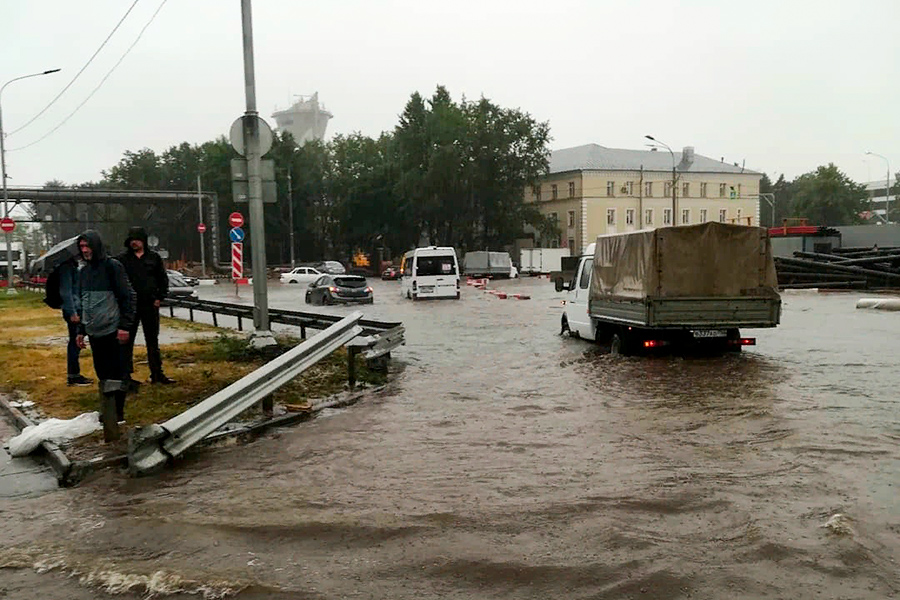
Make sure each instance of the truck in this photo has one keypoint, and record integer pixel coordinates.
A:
(673, 288)
(536, 261)
(481, 263)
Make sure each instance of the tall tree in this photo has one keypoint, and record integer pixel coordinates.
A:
(827, 196)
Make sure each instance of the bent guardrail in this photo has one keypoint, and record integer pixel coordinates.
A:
(151, 447)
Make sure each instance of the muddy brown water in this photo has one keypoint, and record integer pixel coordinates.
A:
(507, 461)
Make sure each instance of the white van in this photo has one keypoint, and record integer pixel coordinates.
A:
(431, 272)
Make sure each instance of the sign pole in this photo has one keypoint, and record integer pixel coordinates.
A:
(203, 231)
(262, 336)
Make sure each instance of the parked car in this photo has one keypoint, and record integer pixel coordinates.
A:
(179, 287)
(332, 267)
(391, 273)
(190, 280)
(301, 275)
(332, 289)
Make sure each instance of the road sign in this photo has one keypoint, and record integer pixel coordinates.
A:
(236, 135)
(201, 228)
(7, 224)
(235, 219)
(236, 235)
(240, 180)
(237, 260)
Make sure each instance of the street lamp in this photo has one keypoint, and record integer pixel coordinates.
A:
(887, 188)
(291, 206)
(674, 179)
(9, 261)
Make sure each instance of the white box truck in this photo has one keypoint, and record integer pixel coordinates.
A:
(675, 287)
(535, 261)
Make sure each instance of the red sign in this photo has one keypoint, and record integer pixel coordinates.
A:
(237, 260)
(201, 227)
(7, 224)
(235, 219)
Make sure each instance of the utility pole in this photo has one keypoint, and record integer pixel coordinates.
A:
(674, 176)
(203, 232)
(262, 336)
(291, 211)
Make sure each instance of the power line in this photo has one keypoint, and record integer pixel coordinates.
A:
(99, 85)
(90, 60)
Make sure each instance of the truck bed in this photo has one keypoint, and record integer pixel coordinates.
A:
(689, 313)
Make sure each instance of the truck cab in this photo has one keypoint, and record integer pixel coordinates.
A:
(576, 318)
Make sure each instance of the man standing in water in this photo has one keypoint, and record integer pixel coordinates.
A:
(151, 284)
(106, 315)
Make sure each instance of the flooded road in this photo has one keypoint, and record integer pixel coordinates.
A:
(507, 461)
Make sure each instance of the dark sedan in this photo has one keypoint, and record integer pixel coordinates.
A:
(391, 273)
(333, 289)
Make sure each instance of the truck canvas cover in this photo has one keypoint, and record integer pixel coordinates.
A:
(706, 260)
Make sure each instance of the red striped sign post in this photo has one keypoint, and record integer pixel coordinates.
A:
(237, 260)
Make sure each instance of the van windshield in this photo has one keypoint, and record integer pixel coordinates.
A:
(435, 265)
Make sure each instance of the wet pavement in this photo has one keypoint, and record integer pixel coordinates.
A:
(507, 461)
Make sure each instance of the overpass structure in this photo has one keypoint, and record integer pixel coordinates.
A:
(72, 210)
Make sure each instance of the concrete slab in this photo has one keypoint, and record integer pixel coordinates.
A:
(22, 477)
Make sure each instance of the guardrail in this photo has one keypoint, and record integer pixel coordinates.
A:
(151, 447)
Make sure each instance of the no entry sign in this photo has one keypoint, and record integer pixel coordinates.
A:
(201, 228)
(7, 224)
(236, 219)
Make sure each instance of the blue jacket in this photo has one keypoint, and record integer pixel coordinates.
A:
(107, 301)
(68, 289)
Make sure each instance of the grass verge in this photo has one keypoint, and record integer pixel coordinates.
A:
(33, 341)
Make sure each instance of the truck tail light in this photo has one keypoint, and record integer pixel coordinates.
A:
(743, 342)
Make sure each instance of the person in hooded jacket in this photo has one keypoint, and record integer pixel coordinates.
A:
(150, 281)
(68, 291)
(106, 315)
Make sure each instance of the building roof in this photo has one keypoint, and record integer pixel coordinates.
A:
(593, 157)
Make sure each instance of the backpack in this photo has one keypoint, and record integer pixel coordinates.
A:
(52, 297)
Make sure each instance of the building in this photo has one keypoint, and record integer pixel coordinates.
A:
(880, 199)
(592, 190)
(306, 119)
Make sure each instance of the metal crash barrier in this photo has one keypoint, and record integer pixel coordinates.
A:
(151, 447)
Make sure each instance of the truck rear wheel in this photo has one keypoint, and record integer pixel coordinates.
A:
(617, 346)
(564, 326)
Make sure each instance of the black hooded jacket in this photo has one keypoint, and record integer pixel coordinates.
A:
(107, 300)
(148, 273)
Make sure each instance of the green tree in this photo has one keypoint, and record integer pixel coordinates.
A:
(827, 196)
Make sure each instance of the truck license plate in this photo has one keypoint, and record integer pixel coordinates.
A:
(709, 333)
(427, 288)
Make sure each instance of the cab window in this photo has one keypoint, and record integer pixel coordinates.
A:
(586, 267)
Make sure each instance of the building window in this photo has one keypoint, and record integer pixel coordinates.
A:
(667, 189)
(537, 193)
(703, 190)
(554, 193)
(554, 243)
(739, 216)
(571, 218)
(554, 219)
(723, 215)
(629, 188)
(571, 243)
(686, 190)
(703, 214)
(648, 189)
(685, 216)
(648, 216)
(571, 189)
(629, 216)
(732, 193)
(667, 216)
(739, 191)
(610, 216)
(610, 188)
(721, 190)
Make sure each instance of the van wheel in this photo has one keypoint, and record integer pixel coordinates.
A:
(564, 326)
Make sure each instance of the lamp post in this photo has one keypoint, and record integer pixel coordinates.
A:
(674, 179)
(9, 262)
(291, 208)
(887, 188)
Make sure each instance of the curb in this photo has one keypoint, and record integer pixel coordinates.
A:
(55, 457)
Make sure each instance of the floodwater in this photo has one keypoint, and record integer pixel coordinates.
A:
(507, 461)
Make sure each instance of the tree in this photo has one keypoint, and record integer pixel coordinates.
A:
(827, 196)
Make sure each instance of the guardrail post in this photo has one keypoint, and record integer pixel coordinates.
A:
(191, 313)
(351, 366)
(268, 405)
(240, 323)
(215, 320)
(171, 311)
(303, 332)
(108, 414)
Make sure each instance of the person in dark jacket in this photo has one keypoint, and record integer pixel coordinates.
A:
(106, 315)
(68, 291)
(151, 284)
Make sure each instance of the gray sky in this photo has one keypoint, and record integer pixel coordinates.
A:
(786, 85)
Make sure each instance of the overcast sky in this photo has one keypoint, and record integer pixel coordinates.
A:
(784, 85)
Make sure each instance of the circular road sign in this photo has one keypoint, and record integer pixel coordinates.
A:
(7, 224)
(236, 235)
(236, 135)
(235, 219)
(201, 227)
